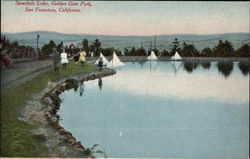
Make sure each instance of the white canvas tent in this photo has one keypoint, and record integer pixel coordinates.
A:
(176, 56)
(152, 56)
(115, 61)
(105, 61)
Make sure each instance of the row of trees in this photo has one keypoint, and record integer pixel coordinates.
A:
(11, 47)
(222, 49)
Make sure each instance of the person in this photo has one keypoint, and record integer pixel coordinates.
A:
(82, 57)
(64, 59)
(100, 64)
(56, 60)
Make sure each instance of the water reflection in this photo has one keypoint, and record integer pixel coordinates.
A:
(176, 66)
(206, 65)
(81, 86)
(225, 67)
(244, 67)
(139, 107)
(75, 89)
(100, 83)
(190, 66)
(142, 62)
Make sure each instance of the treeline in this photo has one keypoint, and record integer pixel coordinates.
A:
(222, 49)
(12, 47)
(94, 48)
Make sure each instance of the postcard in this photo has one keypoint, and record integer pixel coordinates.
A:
(125, 79)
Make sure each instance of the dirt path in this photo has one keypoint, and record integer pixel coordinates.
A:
(23, 71)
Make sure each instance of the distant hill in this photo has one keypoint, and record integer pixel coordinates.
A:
(121, 42)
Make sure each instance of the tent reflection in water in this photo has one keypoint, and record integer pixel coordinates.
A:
(152, 56)
(176, 56)
(105, 61)
(115, 61)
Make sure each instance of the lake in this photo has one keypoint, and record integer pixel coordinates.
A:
(163, 109)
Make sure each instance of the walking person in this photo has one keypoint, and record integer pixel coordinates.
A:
(82, 58)
(64, 59)
(56, 61)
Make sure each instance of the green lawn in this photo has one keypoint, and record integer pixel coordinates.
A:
(16, 140)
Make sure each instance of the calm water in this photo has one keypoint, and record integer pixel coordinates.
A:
(163, 109)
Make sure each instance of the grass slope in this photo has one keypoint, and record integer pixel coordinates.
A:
(16, 140)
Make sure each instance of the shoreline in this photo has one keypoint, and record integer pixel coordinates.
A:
(51, 101)
(41, 112)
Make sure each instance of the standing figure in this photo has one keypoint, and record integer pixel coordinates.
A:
(100, 64)
(64, 59)
(56, 61)
(82, 57)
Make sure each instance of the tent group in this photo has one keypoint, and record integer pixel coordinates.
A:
(115, 61)
(152, 56)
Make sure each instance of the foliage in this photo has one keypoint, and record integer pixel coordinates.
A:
(126, 52)
(141, 52)
(60, 47)
(243, 51)
(132, 52)
(86, 47)
(110, 51)
(207, 52)
(224, 49)
(165, 53)
(47, 49)
(96, 47)
(189, 50)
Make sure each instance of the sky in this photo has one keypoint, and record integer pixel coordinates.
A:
(131, 18)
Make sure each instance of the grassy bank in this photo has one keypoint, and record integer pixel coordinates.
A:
(16, 140)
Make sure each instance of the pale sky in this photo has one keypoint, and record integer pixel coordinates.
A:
(132, 18)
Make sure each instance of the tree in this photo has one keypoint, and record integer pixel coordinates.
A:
(85, 44)
(48, 48)
(126, 52)
(176, 47)
(243, 51)
(224, 49)
(60, 47)
(140, 52)
(207, 52)
(96, 47)
(165, 53)
(132, 52)
(189, 50)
